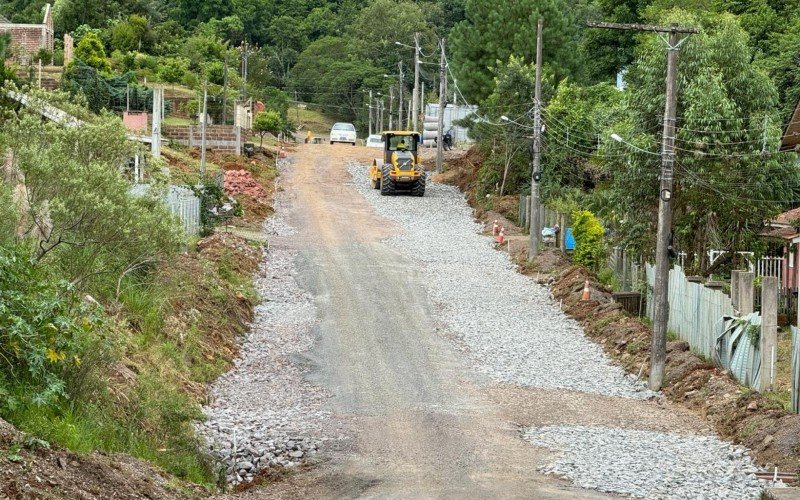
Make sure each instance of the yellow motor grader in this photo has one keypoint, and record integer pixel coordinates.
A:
(400, 169)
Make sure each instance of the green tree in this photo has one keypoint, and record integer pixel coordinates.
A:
(268, 122)
(382, 23)
(590, 250)
(79, 216)
(90, 50)
(132, 34)
(727, 179)
(487, 39)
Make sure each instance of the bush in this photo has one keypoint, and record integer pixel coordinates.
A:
(45, 332)
(173, 69)
(590, 248)
(44, 55)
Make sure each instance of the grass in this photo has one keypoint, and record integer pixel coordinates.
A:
(309, 118)
(175, 120)
(168, 441)
(134, 398)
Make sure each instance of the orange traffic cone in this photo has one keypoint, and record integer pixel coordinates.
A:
(587, 293)
(495, 228)
(501, 236)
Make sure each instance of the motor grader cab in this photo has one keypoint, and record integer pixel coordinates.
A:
(400, 169)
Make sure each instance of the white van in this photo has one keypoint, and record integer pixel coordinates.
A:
(343, 132)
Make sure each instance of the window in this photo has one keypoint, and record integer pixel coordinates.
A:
(344, 126)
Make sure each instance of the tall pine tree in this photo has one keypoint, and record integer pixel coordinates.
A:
(494, 31)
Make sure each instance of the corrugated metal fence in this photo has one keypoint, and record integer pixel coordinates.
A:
(695, 311)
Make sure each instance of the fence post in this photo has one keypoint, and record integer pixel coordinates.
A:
(745, 290)
(626, 272)
(769, 332)
(735, 290)
(238, 140)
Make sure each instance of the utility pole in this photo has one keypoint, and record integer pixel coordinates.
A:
(661, 285)
(203, 131)
(440, 126)
(400, 106)
(369, 107)
(391, 105)
(225, 91)
(537, 149)
(422, 104)
(416, 97)
(382, 107)
(244, 71)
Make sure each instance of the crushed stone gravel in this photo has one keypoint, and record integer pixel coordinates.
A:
(517, 334)
(508, 323)
(649, 464)
(262, 412)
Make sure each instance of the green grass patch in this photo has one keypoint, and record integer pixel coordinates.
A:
(175, 120)
(319, 123)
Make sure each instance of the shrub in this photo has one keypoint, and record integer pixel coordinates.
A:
(590, 248)
(45, 331)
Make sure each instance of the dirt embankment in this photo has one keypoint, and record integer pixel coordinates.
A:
(210, 303)
(738, 413)
(30, 470)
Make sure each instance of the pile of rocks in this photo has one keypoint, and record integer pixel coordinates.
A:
(649, 464)
(241, 182)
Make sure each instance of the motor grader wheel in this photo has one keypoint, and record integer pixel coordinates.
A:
(387, 186)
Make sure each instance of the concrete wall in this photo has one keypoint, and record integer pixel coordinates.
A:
(135, 121)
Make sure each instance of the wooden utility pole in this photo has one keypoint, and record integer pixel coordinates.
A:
(533, 251)
(203, 131)
(416, 94)
(661, 285)
(440, 127)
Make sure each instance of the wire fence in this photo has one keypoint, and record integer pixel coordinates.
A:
(182, 202)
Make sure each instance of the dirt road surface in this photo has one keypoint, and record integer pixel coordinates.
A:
(423, 425)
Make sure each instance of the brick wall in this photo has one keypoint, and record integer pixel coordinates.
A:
(27, 39)
(218, 137)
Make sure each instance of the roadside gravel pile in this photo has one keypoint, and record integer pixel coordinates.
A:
(276, 225)
(263, 414)
(508, 323)
(648, 464)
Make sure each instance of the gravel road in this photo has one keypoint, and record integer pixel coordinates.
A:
(420, 364)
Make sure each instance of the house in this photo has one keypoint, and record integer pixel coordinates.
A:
(783, 232)
(28, 39)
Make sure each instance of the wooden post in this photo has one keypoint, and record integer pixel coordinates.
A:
(735, 290)
(658, 349)
(535, 236)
